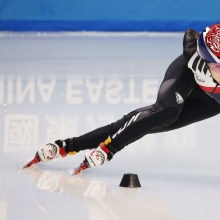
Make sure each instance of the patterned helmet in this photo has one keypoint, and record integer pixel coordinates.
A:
(209, 44)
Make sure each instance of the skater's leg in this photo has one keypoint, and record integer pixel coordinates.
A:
(178, 79)
(164, 112)
(198, 106)
(92, 139)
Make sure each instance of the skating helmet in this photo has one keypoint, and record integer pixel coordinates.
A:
(209, 44)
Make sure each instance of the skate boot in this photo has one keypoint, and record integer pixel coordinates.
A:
(49, 152)
(95, 157)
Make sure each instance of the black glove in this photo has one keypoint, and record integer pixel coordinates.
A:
(190, 43)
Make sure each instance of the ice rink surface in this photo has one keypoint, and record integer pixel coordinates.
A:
(63, 85)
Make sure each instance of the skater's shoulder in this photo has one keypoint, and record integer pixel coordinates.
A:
(190, 43)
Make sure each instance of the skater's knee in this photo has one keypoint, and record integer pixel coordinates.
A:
(161, 115)
(170, 115)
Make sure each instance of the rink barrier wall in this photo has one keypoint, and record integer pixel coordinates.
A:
(101, 25)
(107, 15)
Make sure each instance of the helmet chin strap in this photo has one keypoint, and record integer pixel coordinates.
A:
(215, 86)
(214, 80)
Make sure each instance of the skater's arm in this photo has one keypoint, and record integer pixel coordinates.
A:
(190, 43)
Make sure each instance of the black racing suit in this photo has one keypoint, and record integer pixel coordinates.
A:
(179, 102)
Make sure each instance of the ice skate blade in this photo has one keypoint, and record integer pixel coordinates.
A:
(81, 167)
(34, 161)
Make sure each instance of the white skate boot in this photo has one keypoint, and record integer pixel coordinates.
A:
(49, 152)
(95, 157)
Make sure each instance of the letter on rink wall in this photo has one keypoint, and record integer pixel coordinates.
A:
(149, 90)
(73, 94)
(21, 132)
(61, 126)
(94, 90)
(113, 91)
(10, 88)
(46, 89)
(29, 89)
(131, 96)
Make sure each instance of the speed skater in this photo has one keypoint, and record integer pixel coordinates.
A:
(189, 92)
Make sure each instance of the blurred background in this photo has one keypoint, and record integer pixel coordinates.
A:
(67, 67)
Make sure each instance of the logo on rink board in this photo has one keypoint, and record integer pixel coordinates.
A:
(179, 98)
